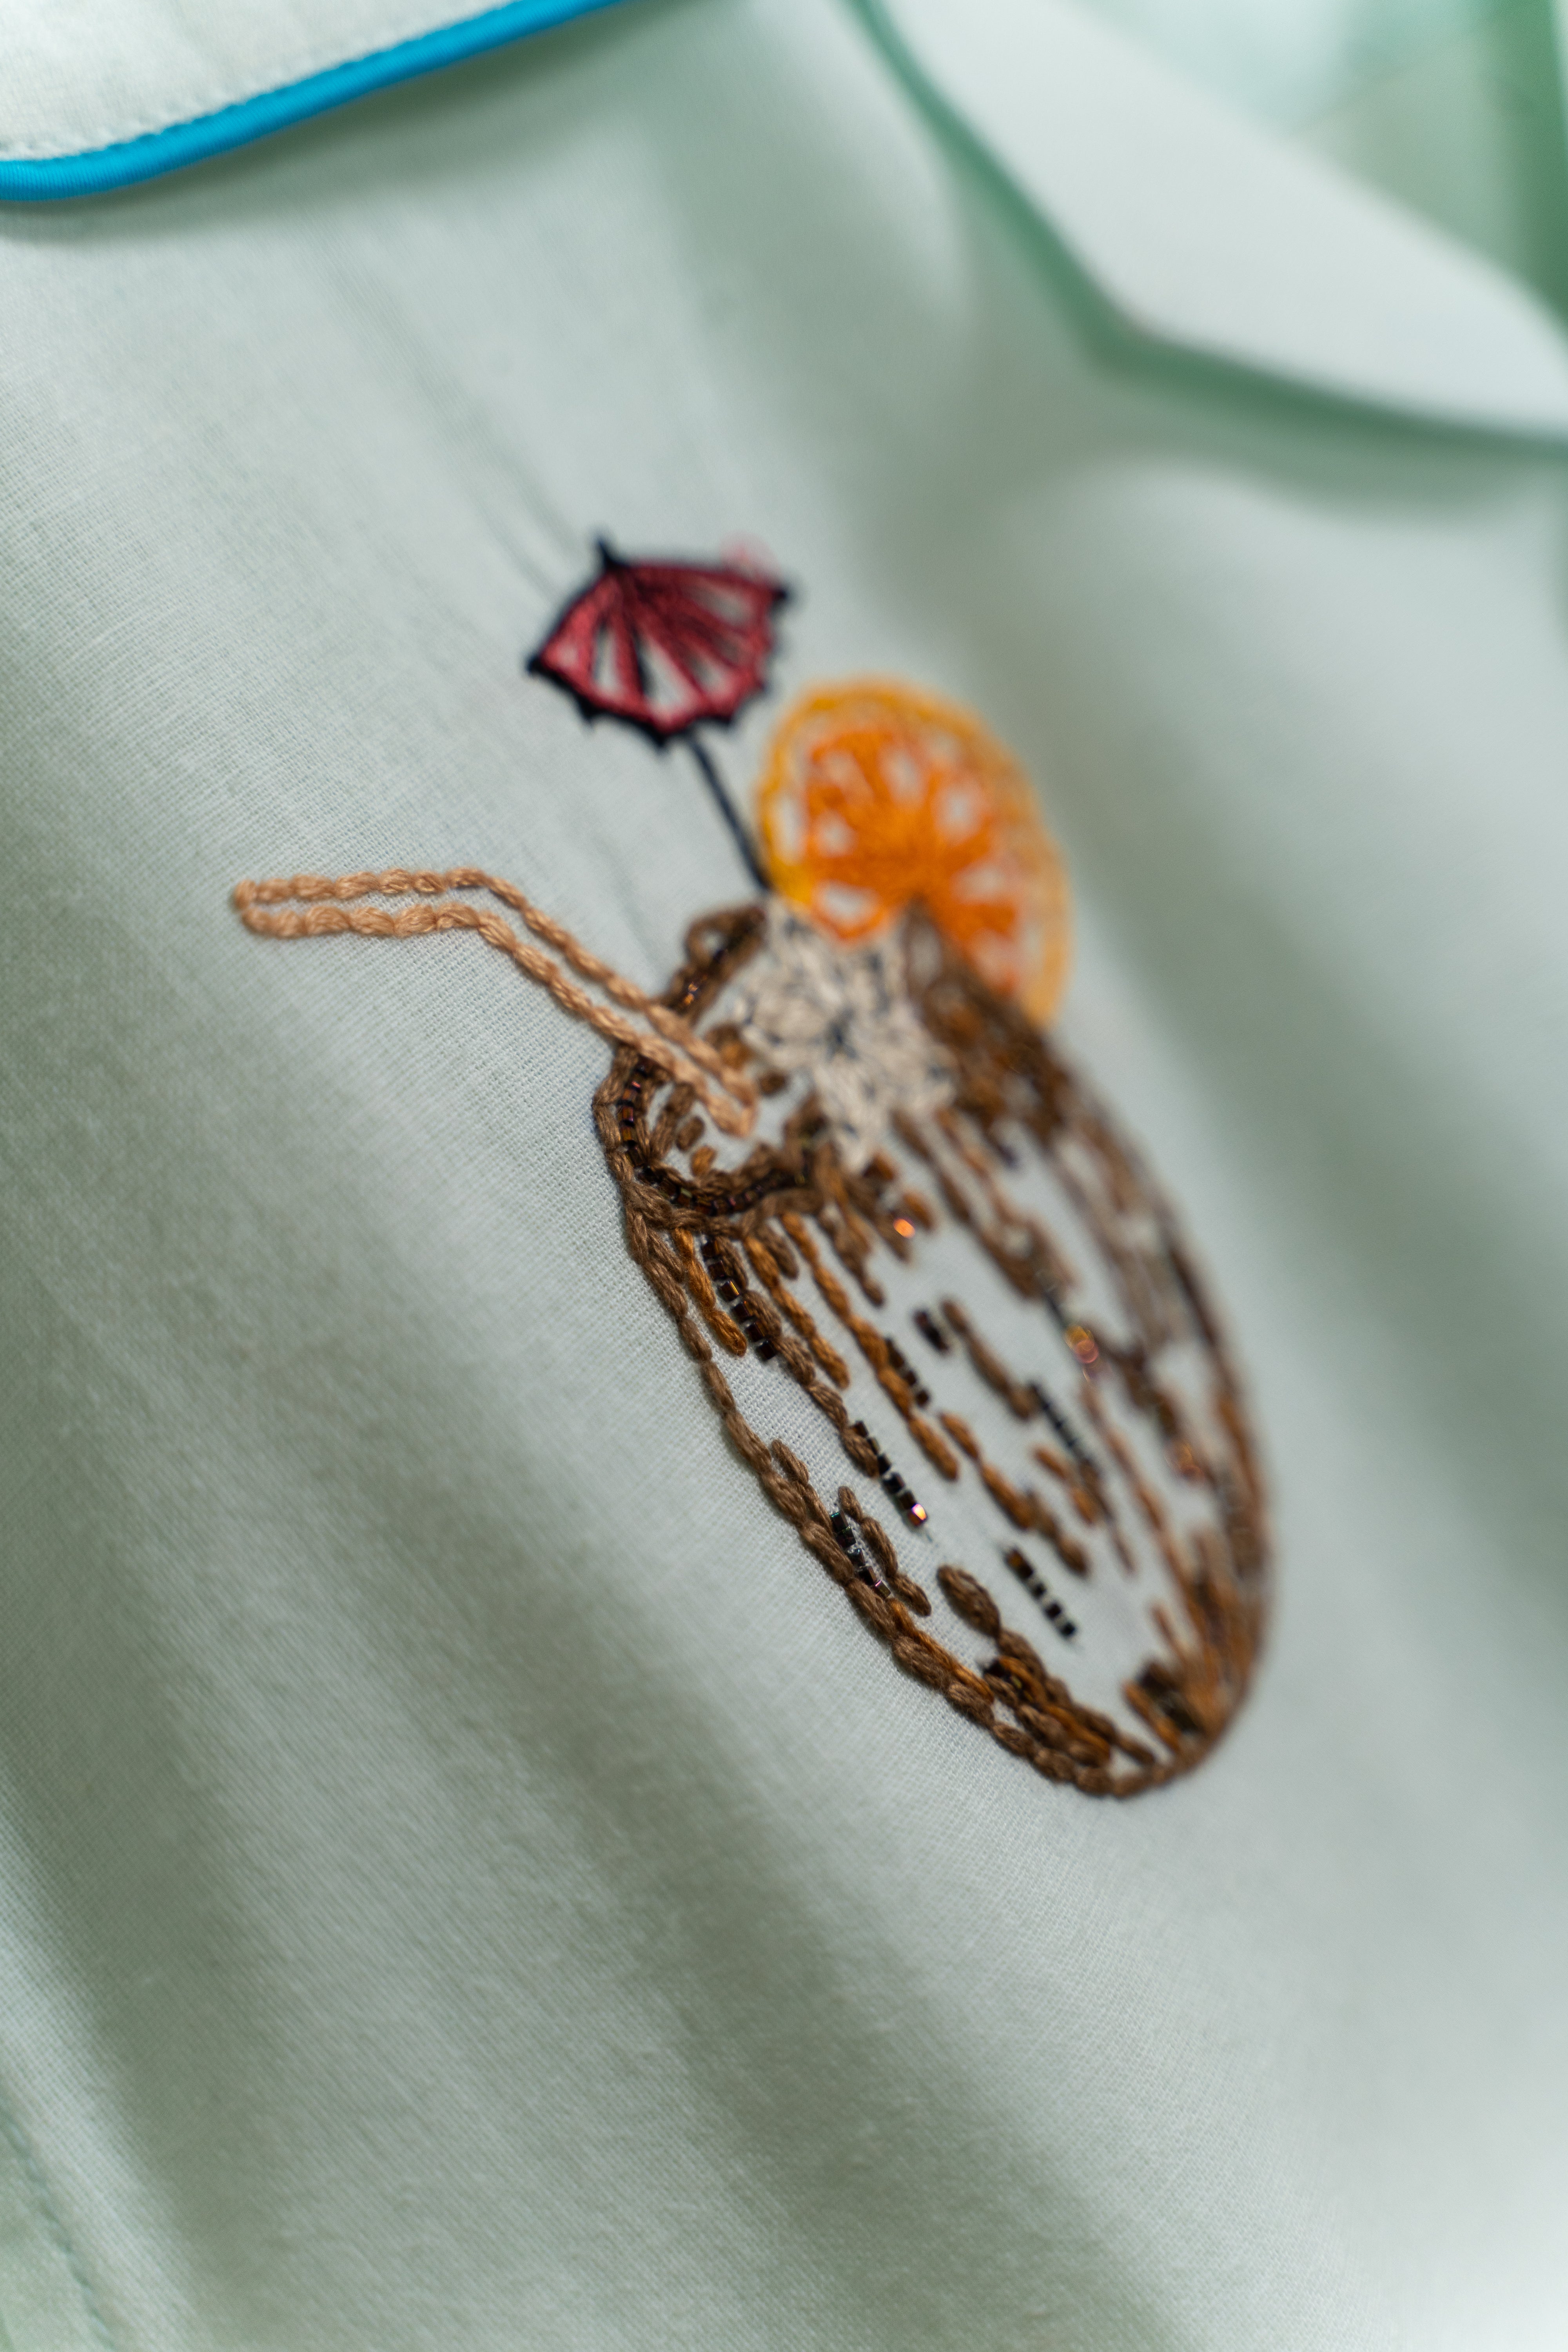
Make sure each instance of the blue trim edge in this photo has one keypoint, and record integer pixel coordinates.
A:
(98, 170)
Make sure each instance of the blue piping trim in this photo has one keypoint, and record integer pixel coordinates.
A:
(100, 169)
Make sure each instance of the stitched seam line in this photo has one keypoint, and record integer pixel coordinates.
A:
(295, 79)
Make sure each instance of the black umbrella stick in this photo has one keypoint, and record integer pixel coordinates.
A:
(728, 812)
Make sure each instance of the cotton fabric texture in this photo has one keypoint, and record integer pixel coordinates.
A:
(467, 1881)
(101, 73)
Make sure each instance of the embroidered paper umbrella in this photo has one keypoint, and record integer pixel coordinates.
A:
(664, 648)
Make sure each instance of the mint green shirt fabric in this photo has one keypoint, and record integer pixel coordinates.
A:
(466, 1882)
(1454, 107)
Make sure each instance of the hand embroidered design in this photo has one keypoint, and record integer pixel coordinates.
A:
(663, 646)
(841, 1021)
(877, 796)
(894, 1231)
(322, 906)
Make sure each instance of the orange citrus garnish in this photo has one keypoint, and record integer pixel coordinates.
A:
(876, 795)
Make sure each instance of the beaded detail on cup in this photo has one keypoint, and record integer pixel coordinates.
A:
(908, 1252)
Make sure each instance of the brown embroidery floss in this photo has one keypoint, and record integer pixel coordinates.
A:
(313, 906)
(1044, 1358)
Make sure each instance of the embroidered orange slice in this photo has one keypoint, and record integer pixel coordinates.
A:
(877, 795)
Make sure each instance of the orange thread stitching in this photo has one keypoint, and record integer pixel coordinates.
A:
(877, 795)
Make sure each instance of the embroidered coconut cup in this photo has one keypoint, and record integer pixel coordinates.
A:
(943, 1313)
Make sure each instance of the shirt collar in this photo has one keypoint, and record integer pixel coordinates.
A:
(1208, 233)
(1202, 231)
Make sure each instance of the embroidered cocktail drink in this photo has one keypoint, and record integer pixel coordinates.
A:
(944, 1317)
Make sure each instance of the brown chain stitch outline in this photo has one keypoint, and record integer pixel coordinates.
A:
(696, 1240)
(1007, 1071)
(729, 1098)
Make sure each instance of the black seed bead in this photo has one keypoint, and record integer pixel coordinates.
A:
(844, 1534)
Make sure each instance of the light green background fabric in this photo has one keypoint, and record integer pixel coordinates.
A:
(467, 1882)
(1453, 106)
(1296, 60)
(1207, 232)
(1470, 129)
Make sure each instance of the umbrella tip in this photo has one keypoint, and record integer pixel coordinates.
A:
(606, 554)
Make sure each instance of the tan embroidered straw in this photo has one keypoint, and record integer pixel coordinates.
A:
(310, 905)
